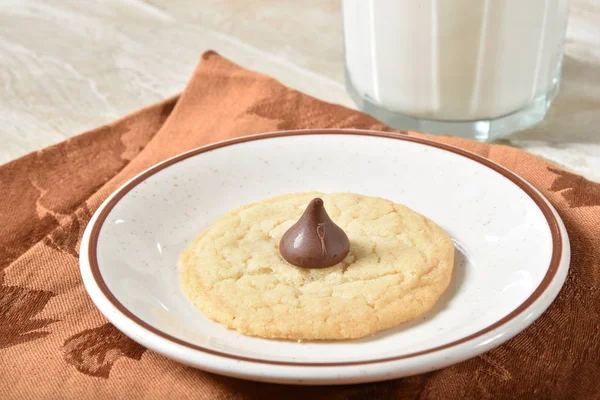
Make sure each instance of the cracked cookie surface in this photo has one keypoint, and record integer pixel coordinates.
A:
(399, 264)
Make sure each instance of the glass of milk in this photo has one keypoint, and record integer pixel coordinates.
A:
(473, 68)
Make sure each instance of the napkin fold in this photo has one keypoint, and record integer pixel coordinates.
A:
(54, 343)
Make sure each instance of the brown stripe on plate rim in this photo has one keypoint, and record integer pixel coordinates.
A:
(520, 182)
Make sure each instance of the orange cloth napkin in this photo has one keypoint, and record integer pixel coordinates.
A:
(54, 343)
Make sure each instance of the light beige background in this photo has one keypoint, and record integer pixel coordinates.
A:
(67, 66)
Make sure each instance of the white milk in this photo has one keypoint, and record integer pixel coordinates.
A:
(454, 59)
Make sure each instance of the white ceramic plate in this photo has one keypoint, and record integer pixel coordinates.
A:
(512, 251)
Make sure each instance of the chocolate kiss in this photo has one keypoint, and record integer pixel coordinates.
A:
(315, 241)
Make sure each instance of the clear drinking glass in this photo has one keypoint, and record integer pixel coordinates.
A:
(473, 68)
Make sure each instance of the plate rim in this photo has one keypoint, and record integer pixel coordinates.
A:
(559, 239)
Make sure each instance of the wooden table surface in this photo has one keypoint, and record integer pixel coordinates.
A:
(67, 66)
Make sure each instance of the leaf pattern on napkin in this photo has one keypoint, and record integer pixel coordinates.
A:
(66, 237)
(94, 351)
(575, 189)
(282, 104)
(18, 306)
